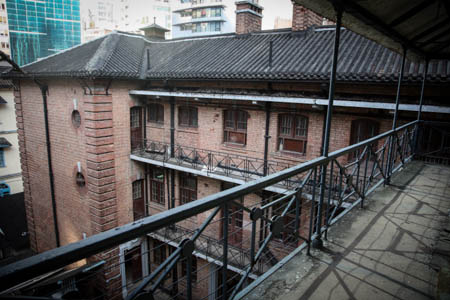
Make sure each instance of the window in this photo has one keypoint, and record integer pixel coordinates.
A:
(156, 113)
(138, 199)
(235, 126)
(187, 116)
(293, 133)
(133, 265)
(159, 252)
(157, 186)
(362, 129)
(188, 188)
(193, 269)
(2, 159)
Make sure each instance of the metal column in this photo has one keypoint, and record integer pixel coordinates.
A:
(422, 92)
(317, 243)
(172, 126)
(419, 112)
(266, 139)
(394, 122)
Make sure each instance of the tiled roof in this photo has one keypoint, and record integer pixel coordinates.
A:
(295, 56)
(113, 55)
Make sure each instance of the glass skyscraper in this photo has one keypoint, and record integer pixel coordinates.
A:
(39, 28)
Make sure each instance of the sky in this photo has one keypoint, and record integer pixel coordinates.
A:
(273, 9)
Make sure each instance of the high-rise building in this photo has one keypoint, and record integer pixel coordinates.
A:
(203, 17)
(98, 18)
(41, 28)
(136, 14)
(4, 30)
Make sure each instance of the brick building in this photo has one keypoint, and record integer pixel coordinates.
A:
(124, 127)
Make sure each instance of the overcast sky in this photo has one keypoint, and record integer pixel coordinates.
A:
(273, 9)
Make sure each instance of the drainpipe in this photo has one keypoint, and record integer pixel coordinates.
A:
(172, 127)
(172, 187)
(44, 91)
(318, 243)
(394, 122)
(266, 139)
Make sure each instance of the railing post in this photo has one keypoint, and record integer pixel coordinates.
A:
(266, 138)
(394, 122)
(318, 243)
(172, 127)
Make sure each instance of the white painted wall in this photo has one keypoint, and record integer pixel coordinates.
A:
(8, 130)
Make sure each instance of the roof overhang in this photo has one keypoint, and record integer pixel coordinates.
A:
(421, 26)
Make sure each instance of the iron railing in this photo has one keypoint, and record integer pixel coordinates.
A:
(226, 164)
(271, 230)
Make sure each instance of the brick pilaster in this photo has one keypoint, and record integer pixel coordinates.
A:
(100, 162)
(24, 167)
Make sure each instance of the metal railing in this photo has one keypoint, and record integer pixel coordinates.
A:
(226, 164)
(270, 230)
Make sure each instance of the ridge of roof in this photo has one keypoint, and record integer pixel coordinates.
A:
(66, 50)
(103, 53)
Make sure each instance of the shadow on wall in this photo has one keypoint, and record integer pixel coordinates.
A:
(14, 241)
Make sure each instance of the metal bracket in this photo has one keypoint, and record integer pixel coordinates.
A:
(277, 225)
(187, 247)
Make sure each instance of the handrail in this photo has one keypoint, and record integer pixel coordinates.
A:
(31, 267)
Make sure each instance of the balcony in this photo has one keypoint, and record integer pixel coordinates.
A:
(277, 232)
(214, 164)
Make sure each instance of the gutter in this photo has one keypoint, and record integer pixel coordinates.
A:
(296, 100)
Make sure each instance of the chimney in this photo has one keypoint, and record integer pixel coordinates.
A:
(154, 31)
(302, 18)
(248, 16)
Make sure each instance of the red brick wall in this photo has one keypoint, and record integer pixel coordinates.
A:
(302, 18)
(247, 22)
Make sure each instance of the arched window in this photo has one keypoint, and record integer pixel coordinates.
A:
(292, 133)
(235, 126)
(188, 116)
(155, 113)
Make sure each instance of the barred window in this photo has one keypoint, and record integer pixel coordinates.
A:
(138, 199)
(235, 126)
(157, 186)
(293, 133)
(188, 116)
(155, 113)
(188, 188)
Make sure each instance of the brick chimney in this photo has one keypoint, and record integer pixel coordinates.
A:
(302, 18)
(248, 16)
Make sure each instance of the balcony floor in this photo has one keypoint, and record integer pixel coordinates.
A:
(383, 251)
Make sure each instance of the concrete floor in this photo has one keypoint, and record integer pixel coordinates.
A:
(383, 251)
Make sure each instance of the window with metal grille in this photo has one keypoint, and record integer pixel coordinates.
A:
(188, 188)
(155, 113)
(292, 133)
(135, 118)
(235, 126)
(157, 186)
(138, 199)
(188, 116)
